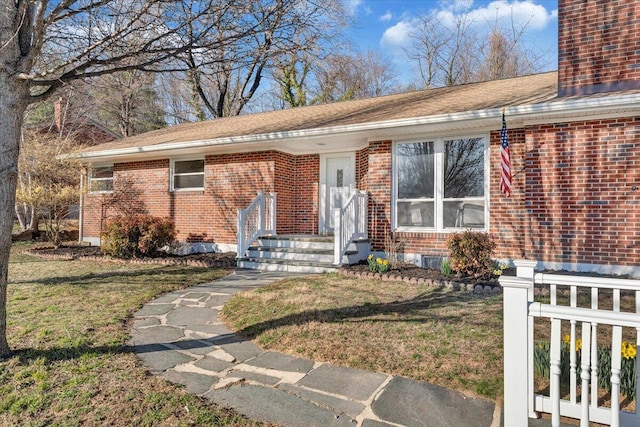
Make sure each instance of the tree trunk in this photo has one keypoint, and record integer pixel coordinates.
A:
(13, 101)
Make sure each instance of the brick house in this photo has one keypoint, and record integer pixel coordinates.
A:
(424, 163)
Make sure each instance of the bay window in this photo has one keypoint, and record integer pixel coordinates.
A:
(439, 184)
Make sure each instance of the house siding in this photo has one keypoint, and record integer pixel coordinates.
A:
(582, 197)
(598, 46)
(231, 183)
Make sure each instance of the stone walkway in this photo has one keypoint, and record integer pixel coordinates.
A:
(179, 337)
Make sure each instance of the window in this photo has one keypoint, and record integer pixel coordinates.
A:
(101, 179)
(187, 175)
(440, 184)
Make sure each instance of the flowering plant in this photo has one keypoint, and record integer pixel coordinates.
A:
(377, 264)
(627, 369)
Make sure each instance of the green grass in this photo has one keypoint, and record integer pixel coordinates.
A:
(449, 338)
(68, 323)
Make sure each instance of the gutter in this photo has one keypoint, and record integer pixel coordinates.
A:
(518, 116)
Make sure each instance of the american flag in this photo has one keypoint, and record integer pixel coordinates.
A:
(505, 160)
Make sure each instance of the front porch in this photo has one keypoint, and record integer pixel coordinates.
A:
(261, 248)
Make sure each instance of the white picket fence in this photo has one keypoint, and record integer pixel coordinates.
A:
(576, 301)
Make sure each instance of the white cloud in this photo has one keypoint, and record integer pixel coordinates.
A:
(503, 12)
(352, 6)
(397, 36)
(386, 17)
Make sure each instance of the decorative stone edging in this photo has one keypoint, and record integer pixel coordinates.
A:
(162, 261)
(447, 284)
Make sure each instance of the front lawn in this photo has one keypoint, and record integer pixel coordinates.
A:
(67, 322)
(445, 337)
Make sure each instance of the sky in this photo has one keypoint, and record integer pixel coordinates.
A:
(384, 25)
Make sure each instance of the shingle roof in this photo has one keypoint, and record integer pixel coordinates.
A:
(469, 97)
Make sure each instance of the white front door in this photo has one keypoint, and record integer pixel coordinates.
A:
(337, 181)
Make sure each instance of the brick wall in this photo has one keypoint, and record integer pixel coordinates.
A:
(231, 182)
(583, 201)
(598, 46)
(507, 214)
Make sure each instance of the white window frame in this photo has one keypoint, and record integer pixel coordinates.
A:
(172, 174)
(438, 198)
(91, 179)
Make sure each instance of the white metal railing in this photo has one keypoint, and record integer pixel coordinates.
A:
(350, 223)
(520, 311)
(258, 219)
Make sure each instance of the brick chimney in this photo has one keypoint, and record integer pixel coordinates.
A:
(598, 46)
(58, 114)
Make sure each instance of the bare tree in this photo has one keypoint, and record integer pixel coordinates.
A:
(44, 45)
(449, 53)
(342, 77)
(223, 81)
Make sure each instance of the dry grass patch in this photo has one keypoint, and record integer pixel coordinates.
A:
(67, 324)
(445, 337)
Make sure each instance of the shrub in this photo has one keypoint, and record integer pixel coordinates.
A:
(137, 235)
(470, 253)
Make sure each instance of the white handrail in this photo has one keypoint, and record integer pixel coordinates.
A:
(520, 309)
(350, 223)
(258, 219)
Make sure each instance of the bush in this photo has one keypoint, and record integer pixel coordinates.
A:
(138, 235)
(470, 253)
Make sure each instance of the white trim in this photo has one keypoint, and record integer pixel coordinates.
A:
(90, 179)
(322, 196)
(172, 174)
(559, 111)
(438, 196)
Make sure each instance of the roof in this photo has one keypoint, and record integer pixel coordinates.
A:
(468, 97)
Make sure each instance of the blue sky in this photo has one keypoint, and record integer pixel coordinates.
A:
(384, 25)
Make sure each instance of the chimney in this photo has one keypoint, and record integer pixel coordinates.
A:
(597, 46)
(58, 114)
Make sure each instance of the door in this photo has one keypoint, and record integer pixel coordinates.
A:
(337, 181)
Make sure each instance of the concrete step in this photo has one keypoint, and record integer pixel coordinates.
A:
(297, 241)
(296, 254)
(266, 264)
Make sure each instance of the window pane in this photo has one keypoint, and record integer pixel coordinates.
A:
(190, 166)
(102, 185)
(464, 214)
(464, 168)
(188, 181)
(102, 172)
(415, 214)
(415, 165)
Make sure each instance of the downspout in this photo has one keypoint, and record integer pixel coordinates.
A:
(81, 210)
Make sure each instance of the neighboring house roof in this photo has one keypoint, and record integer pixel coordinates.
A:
(344, 125)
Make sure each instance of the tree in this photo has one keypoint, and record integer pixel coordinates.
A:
(127, 103)
(342, 77)
(450, 52)
(47, 185)
(336, 77)
(221, 82)
(45, 45)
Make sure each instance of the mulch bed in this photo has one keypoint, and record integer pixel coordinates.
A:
(411, 273)
(406, 272)
(71, 252)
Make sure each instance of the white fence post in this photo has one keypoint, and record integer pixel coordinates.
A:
(516, 350)
(241, 233)
(525, 269)
(337, 236)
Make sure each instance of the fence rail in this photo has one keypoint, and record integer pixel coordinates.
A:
(258, 219)
(575, 301)
(350, 223)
